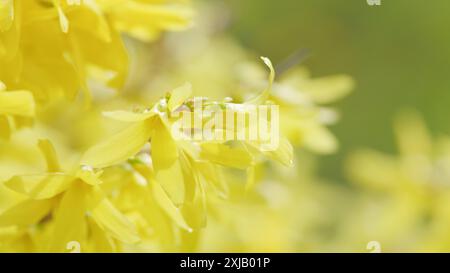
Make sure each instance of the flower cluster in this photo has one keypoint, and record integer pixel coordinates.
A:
(74, 170)
(54, 47)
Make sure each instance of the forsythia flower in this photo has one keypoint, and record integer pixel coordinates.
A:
(53, 47)
(303, 111)
(67, 197)
(153, 178)
(404, 190)
(125, 192)
(14, 107)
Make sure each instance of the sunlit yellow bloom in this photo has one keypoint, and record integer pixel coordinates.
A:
(130, 181)
(176, 170)
(70, 199)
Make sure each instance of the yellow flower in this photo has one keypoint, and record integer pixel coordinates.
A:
(14, 106)
(53, 47)
(72, 200)
(176, 170)
(145, 20)
(399, 192)
(304, 110)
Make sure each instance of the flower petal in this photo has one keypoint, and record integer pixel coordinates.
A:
(40, 186)
(264, 96)
(6, 14)
(128, 116)
(172, 181)
(164, 149)
(179, 96)
(120, 147)
(70, 219)
(110, 219)
(26, 213)
(166, 204)
(226, 155)
(20, 103)
(5, 128)
(50, 155)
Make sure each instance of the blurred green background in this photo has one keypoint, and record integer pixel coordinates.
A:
(398, 53)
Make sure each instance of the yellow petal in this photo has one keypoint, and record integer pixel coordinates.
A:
(163, 147)
(166, 204)
(251, 179)
(110, 219)
(63, 21)
(40, 186)
(213, 174)
(374, 170)
(5, 128)
(89, 176)
(413, 136)
(6, 14)
(235, 157)
(50, 155)
(26, 213)
(100, 240)
(146, 20)
(172, 181)
(20, 103)
(158, 220)
(328, 89)
(179, 96)
(70, 220)
(194, 211)
(264, 96)
(128, 116)
(320, 140)
(2, 86)
(119, 147)
(284, 153)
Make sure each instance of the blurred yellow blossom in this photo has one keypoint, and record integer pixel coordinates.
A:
(404, 205)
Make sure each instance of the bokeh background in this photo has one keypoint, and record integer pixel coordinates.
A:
(398, 53)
